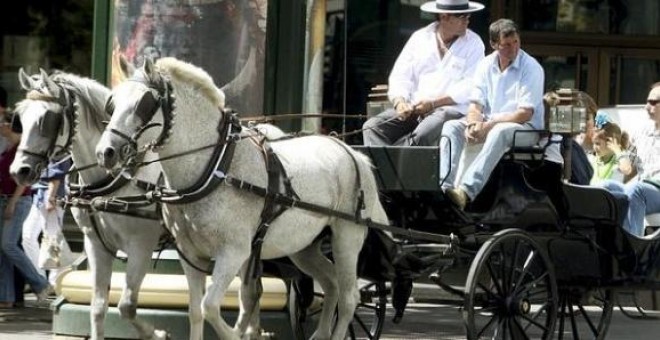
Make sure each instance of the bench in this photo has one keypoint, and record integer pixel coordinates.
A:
(163, 301)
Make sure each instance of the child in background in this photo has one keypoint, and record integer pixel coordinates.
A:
(609, 143)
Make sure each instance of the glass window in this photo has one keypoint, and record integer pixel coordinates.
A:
(44, 34)
(226, 38)
(639, 17)
(631, 78)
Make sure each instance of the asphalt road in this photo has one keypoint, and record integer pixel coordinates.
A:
(422, 321)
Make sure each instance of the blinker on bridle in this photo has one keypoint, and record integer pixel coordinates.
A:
(50, 125)
(158, 95)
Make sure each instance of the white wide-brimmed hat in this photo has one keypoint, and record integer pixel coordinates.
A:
(452, 6)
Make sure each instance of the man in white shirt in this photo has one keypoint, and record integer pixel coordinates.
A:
(431, 79)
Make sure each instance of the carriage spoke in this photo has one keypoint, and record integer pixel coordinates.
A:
(502, 258)
(517, 331)
(587, 318)
(495, 281)
(487, 326)
(362, 324)
(526, 266)
(532, 283)
(571, 312)
(514, 261)
(532, 320)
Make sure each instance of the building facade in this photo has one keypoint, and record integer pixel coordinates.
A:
(324, 55)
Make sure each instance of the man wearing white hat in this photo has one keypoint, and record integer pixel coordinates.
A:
(431, 79)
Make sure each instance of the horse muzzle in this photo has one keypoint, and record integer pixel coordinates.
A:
(25, 174)
(107, 157)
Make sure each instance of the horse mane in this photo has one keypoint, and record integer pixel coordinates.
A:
(191, 74)
(91, 95)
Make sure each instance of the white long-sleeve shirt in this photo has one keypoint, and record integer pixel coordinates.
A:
(420, 73)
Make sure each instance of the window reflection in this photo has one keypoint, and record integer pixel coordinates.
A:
(226, 38)
(639, 17)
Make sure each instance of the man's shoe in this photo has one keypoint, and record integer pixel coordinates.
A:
(458, 197)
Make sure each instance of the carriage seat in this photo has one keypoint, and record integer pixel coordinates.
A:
(589, 205)
(404, 168)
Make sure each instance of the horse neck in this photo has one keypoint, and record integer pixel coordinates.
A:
(82, 149)
(183, 171)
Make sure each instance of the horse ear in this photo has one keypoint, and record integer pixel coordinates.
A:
(126, 68)
(50, 84)
(148, 66)
(27, 83)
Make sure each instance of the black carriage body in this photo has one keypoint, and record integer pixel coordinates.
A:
(578, 226)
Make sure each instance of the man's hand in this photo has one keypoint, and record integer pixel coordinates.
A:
(424, 108)
(404, 110)
(477, 132)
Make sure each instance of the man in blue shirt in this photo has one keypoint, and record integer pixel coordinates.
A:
(507, 97)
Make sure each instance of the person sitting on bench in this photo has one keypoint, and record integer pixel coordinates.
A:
(431, 79)
(507, 98)
(643, 192)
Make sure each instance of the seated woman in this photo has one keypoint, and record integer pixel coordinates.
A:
(609, 143)
(643, 192)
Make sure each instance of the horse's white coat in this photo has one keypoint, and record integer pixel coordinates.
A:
(134, 236)
(222, 224)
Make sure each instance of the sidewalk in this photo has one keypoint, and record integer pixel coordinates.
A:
(31, 322)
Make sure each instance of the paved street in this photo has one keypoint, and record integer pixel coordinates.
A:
(422, 321)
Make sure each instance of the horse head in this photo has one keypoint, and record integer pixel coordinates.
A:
(150, 90)
(133, 106)
(47, 116)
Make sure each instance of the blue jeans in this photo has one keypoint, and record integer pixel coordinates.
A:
(497, 143)
(11, 255)
(643, 198)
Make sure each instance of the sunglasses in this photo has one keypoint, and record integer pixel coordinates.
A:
(653, 102)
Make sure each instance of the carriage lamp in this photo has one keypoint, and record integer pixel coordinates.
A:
(569, 114)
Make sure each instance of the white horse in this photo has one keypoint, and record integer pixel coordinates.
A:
(222, 224)
(47, 101)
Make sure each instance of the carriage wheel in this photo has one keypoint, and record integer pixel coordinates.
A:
(584, 315)
(368, 319)
(511, 292)
(633, 299)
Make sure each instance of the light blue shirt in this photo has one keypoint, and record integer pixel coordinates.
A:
(519, 86)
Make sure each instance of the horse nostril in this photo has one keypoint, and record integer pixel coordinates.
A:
(109, 153)
(24, 171)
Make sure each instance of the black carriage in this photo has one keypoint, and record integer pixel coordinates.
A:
(535, 251)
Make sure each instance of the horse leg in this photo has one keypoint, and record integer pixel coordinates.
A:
(312, 262)
(100, 263)
(227, 265)
(196, 286)
(347, 240)
(248, 323)
(139, 256)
